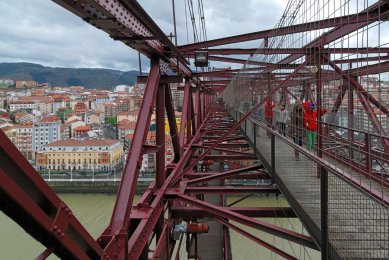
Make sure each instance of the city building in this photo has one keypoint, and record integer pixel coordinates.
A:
(125, 127)
(92, 119)
(46, 131)
(26, 84)
(81, 131)
(23, 117)
(131, 116)
(80, 155)
(21, 104)
(110, 110)
(23, 139)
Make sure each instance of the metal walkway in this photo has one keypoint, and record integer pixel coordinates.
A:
(358, 222)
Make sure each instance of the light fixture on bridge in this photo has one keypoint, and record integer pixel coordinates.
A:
(201, 59)
(309, 69)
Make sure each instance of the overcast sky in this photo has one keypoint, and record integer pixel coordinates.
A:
(41, 31)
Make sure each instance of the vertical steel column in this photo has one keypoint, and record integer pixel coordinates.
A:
(203, 112)
(121, 212)
(192, 116)
(160, 136)
(324, 212)
(197, 112)
(184, 114)
(160, 155)
(189, 118)
(172, 123)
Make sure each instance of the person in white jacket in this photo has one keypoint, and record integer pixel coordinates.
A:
(281, 118)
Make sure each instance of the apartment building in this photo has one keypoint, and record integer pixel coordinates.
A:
(23, 139)
(21, 104)
(45, 132)
(87, 154)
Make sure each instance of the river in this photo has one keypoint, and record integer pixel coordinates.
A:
(94, 210)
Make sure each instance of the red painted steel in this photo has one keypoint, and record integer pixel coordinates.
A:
(254, 212)
(119, 221)
(254, 223)
(338, 21)
(132, 229)
(184, 114)
(31, 203)
(224, 174)
(255, 239)
(160, 136)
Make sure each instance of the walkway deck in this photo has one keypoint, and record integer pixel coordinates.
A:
(358, 224)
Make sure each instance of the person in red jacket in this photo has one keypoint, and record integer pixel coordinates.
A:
(269, 114)
(310, 123)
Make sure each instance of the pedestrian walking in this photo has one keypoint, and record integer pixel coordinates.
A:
(281, 118)
(310, 123)
(269, 114)
(297, 126)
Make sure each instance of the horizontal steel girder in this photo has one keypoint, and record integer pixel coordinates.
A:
(254, 212)
(310, 26)
(32, 204)
(224, 174)
(300, 51)
(254, 223)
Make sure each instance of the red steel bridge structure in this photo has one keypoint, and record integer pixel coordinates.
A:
(333, 53)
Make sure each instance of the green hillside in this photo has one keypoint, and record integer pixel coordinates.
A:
(90, 78)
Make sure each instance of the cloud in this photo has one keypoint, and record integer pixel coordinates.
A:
(41, 31)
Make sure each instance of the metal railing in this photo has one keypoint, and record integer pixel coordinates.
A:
(357, 210)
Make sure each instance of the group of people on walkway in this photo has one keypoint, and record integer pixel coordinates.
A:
(303, 121)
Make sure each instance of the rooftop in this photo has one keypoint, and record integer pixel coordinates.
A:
(84, 142)
(50, 119)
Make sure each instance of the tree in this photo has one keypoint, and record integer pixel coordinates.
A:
(112, 120)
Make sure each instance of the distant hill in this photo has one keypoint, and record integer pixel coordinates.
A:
(90, 78)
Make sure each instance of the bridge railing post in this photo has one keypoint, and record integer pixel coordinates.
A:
(273, 155)
(367, 153)
(324, 212)
(254, 134)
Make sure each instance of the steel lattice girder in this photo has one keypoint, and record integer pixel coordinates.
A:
(254, 223)
(255, 239)
(30, 202)
(128, 22)
(224, 174)
(254, 212)
(377, 10)
(309, 50)
(119, 221)
(310, 26)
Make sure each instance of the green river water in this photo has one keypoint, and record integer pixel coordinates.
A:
(94, 210)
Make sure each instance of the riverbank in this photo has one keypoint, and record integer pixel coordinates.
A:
(92, 187)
